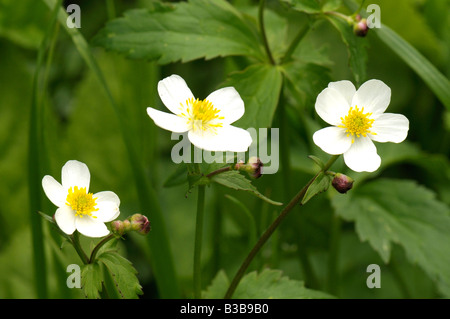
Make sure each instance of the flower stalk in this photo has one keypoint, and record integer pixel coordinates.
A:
(262, 4)
(269, 231)
(198, 242)
(75, 240)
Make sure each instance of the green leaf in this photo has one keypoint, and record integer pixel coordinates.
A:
(389, 211)
(91, 280)
(320, 184)
(314, 6)
(356, 46)
(184, 31)
(305, 81)
(123, 274)
(268, 284)
(307, 6)
(179, 176)
(237, 181)
(435, 80)
(317, 160)
(259, 86)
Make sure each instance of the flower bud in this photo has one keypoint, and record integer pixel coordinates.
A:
(140, 223)
(239, 165)
(342, 183)
(360, 27)
(118, 227)
(255, 166)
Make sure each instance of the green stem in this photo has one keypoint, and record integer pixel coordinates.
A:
(262, 4)
(339, 15)
(198, 242)
(220, 170)
(99, 245)
(75, 239)
(111, 9)
(332, 278)
(269, 231)
(300, 35)
(35, 161)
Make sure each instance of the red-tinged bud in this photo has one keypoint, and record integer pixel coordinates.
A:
(360, 27)
(342, 183)
(117, 227)
(255, 166)
(140, 223)
(239, 165)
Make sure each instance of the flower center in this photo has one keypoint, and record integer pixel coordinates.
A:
(81, 202)
(202, 115)
(357, 123)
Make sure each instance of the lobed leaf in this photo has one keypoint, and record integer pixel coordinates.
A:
(389, 211)
(259, 86)
(123, 274)
(91, 280)
(183, 31)
(268, 284)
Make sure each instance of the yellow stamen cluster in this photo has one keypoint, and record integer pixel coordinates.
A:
(81, 202)
(357, 123)
(202, 115)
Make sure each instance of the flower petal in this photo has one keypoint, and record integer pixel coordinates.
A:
(65, 219)
(75, 173)
(168, 121)
(332, 140)
(374, 96)
(173, 90)
(90, 227)
(362, 156)
(108, 206)
(54, 191)
(227, 138)
(229, 102)
(390, 127)
(346, 88)
(331, 105)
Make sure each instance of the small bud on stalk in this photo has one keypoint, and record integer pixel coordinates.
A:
(342, 183)
(360, 27)
(253, 167)
(136, 222)
(140, 223)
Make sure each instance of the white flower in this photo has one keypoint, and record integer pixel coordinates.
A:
(358, 118)
(77, 208)
(206, 121)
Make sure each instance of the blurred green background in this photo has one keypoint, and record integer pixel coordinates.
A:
(79, 123)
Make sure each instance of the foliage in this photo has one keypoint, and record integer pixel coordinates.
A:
(82, 94)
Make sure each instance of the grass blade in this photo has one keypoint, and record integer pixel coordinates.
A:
(35, 156)
(435, 80)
